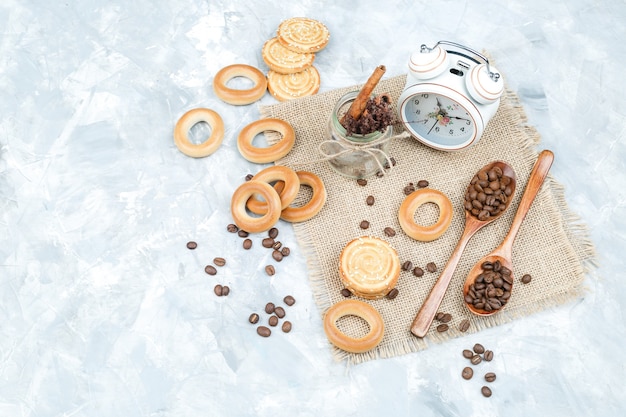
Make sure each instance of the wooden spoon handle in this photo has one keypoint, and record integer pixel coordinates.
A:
(537, 176)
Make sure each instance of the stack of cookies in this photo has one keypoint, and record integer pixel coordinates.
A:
(290, 57)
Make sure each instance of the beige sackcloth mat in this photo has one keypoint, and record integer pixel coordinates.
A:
(552, 245)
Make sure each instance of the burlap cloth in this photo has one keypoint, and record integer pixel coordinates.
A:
(552, 244)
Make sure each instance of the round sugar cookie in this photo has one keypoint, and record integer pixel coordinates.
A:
(285, 87)
(304, 35)
(283, 60)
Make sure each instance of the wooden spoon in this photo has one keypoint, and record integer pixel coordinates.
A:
(427, 312)
(502, 253)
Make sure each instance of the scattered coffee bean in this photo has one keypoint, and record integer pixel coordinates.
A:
(272, 321)
(486, 391)
(280, 312)
(225, 290)
(269, 308)
(277, 245)
(442, 328)
(249, 177)
(408, 189)
(478, 348)
(439, 316)
(369, 200)
(219, 261)
(389, 232)
(247, 244)
(422, 183)
(254, 318)
(268, 242)
(488, 193)
(476, 359)
(467, 373)
(431, 267)
(392, 294)
(242, 233)
(364, 224)
(263, 331)
(270, 270)
(407, 266)
(285, 251)
(232, 228)
(526, 278)
(210, 269)
(218, 289)
(418, 272)
(192, 245)
(289, 300)
(467, 354)
(446, 318)
(380, 174)
(490, 377)
(346, 292)
(488, 355)
(464, 325)
(277, 255)
(286, 326)
(273, 232)
(362, 182)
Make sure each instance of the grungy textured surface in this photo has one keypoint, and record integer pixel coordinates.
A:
(106, 313)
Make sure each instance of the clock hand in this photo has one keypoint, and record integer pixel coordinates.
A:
(459, 118)
(432, 127)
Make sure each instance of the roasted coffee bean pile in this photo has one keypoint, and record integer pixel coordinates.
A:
(275, 313)
(476, 355)
(491, 289)
(488, 193)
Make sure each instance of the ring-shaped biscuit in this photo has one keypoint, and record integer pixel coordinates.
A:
(288, 193)
(406, 214)
(271, 153)
(359, 309)
(191, 118)
(235, 96)
(238, 206)
(313, 206)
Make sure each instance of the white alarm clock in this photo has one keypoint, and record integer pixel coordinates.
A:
(450, 95)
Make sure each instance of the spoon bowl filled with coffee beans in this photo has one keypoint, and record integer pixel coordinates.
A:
(488, 285)
(487, 196)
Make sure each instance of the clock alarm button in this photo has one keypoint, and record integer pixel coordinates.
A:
(482, 87)
(428, 63)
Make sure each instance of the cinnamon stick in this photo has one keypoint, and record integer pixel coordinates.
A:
(359, 103)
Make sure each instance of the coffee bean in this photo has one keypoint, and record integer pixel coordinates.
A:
(247, 244)
(272, 233)
(210, 269)
(407, 266)
(467, 373)
(442, 328)
(285, 251)
(490, 377)
(369, 200)
(219, 261)
(218, 290)
(277, 245)
(277, 255)
(286, 326)
(439, 315)
(346, 292)
(269, 270)
(408, 189)
(289, 300)
(273, 321)
(488, 355)
(254, 318)
(263, 331)
(242, 233)
(389, 232)
(232, 228)
(486, 391)
(446, 318)
(431, 267)
(192, 245)
(418, 272)
(225, 290)
(464, 325)
(269, 308)
(476, 359)
(280, 312)
(422, 183)
(268, 242)
(364, 224)
(362, 182)
(467, 354)
(526, 278)
(249, 177)
(392, 294)
(478, 348)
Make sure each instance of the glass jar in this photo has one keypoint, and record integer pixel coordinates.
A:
(358, 156)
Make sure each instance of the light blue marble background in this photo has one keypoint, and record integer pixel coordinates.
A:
(104, 312)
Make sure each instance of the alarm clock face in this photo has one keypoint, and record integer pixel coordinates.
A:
(438, 120)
